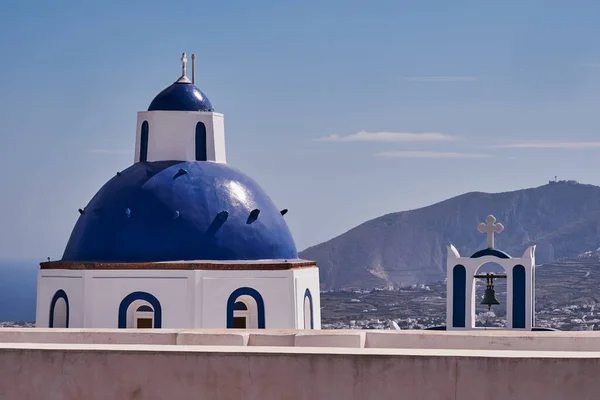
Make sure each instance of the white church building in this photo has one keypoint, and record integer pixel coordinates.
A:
(180, 239)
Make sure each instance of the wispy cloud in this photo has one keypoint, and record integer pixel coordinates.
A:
(431, 79)
(549, 145)
(430, 154)
(110, 151)
(388, 137)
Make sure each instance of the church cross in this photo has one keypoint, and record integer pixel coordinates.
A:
(490, 227)
(183, 64)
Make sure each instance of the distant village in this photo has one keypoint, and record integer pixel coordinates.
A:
(424, 306)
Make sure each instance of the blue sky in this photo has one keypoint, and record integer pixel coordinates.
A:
(341, 110)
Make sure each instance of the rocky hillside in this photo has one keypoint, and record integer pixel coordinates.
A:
(562, 219)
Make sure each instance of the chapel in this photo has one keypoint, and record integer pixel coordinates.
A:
(180, 239)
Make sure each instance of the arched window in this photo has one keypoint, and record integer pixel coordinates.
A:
(241, 315)
(518, 303)
(59, 310)
(144, 142)
(140, 310)
(459, 296)
(308, 310)
(200, 142)
(245, 309)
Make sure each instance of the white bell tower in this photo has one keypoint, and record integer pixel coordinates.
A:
(180, 125)
(520, 287)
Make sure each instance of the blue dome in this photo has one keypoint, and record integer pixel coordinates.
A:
(172, 210)
(181, 96)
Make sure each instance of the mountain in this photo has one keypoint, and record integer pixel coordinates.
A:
(561, 218)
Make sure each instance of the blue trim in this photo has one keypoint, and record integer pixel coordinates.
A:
(130, 298)
(60, 294)
(459, 296)
(246, 291)
(307, 294)
(519, 303)
(490, 252)
(240, 306)
(200, 142)
(144, 142)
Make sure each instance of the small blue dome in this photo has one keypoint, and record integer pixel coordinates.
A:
(172, 210)
(181, 96)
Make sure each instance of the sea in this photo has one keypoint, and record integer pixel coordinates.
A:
(18, 288)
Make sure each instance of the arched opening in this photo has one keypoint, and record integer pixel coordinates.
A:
(241, 315)
(496, 317)
(200, 142)
(140, 310)
(59, 310)
(308, 310)
(144, 317)
(245, 309)
(519, 303)
(144, 142)
(459, 300)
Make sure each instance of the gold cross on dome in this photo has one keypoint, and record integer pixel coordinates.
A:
(490, 227)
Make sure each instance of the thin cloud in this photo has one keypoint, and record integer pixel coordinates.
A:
(110, 151)
(430, 154)
(431, 79)
(388, 137)
(549, 145)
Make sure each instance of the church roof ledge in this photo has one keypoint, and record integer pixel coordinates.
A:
(182, 265)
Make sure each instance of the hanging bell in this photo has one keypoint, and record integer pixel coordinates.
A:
(489, 297)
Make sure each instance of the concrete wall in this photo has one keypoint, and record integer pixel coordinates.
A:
(65, 371)
(188, 298)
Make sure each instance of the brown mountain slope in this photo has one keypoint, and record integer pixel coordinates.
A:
(562, 219)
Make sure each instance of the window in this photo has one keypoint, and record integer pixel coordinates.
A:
(144, 142)
(308, 310)
(200, 142)
(140, 310)
(59, 310)
(144, 317)
(240, 315)
(245, 309)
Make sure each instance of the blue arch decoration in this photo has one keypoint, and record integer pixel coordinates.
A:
(246, 291)
(144, 142)
(130, 298)
(459, 296)
(200, 142)
(310, 302)
(518, 305)
(60, 294)
(490, 252)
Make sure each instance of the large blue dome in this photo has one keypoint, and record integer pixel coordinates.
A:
(181, 96)
(172, 210)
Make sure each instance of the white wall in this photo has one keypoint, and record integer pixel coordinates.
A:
(188, 298)
(49, 282)
(108, 288)
(307, 279)
(172, 135)
(275, 287)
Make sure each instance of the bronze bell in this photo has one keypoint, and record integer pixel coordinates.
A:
(489, 297)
